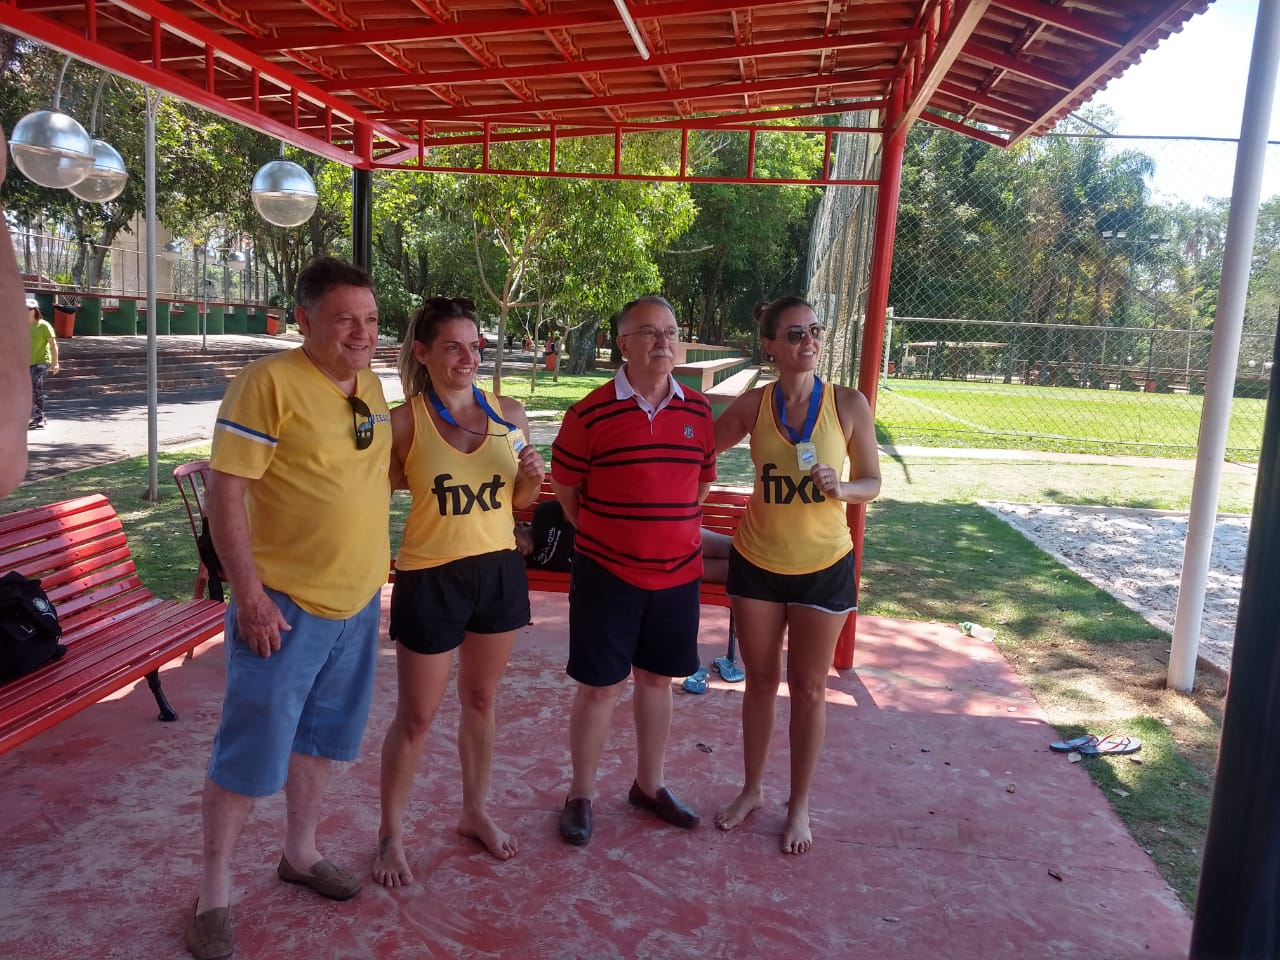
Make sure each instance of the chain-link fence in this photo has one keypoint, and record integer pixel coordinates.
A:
(1059, 295)
(65, 264)
(840, 250)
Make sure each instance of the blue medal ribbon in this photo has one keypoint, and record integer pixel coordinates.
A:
(476, 392)
(805, 433)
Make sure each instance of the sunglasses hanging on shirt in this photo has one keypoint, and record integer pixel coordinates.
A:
(362, 419)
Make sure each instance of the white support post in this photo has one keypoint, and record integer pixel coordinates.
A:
(1225, 353)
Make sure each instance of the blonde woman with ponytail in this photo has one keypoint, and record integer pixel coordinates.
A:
(460, 582)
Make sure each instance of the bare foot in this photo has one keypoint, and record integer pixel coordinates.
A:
(390, 866)
(796, 837)
(480, 826)
(738, 809)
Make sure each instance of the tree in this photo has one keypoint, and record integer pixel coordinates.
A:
(582, 246)
(747, 242)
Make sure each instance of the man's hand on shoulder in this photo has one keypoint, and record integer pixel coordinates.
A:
(260, 622)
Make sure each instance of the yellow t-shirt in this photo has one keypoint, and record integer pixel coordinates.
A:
(319, 508)
(461, 501)
(789, 526)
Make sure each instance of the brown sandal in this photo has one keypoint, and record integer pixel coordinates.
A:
(324, 878)
(210, 935)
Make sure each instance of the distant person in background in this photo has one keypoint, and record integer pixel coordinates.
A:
(44, 360)
(15, 389)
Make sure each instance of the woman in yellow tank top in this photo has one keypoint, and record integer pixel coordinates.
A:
(460, 582)
(791, 568)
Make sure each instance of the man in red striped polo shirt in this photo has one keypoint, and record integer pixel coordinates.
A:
(631, 465)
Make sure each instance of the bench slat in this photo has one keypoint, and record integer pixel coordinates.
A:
(68, 511)
(44, 556)
(733, 385)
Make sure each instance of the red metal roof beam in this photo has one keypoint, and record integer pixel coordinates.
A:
(702, 55)
(1095, 28)
(412, 31)
(993, 57)
(148, 69)
(956, 23)
(976, 133)
(844, 78)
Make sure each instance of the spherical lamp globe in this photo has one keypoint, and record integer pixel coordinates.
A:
(51, 148)
(284, 193)
(107, 177)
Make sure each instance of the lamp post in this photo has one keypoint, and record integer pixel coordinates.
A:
(237, 261)
(202, 254)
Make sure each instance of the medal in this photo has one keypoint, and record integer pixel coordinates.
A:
(806, 455)
(806, 449)
(516, 441)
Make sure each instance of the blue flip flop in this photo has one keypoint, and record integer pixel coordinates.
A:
(697, 682)
(729, 670)
(1076, 743)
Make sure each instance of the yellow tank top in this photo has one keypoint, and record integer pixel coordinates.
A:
(461, 501)
(789, 526)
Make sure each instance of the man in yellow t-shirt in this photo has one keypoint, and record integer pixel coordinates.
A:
(299, 498)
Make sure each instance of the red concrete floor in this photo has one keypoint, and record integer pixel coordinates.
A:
(940, 817)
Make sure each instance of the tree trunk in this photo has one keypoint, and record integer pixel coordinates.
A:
(580, 342)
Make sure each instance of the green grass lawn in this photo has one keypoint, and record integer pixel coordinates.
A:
(1014, 416)
(549, 393)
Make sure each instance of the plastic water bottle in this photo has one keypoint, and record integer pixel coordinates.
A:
(971, 629)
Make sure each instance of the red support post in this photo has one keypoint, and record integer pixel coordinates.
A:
(873, 330)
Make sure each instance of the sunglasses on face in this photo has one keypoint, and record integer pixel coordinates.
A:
(796, 334)
(362, 420)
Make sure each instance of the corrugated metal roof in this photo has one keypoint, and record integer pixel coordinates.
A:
(376, 82)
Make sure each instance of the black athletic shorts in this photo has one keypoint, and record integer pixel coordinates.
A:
(834, 589)
(614, 626)
(433, 609)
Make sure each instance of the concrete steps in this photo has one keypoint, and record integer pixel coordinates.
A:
(96, 366)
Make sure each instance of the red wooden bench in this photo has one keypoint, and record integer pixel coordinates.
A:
(115, 630)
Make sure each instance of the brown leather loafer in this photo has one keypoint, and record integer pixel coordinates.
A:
(324, 878)
(665, 805)
(210, 935)
(575, 821)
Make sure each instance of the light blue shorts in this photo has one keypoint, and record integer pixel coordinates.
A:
(311, 696)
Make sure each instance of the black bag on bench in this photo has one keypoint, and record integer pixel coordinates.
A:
(29, 629)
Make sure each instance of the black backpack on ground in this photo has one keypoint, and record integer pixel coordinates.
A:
(29, 629)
